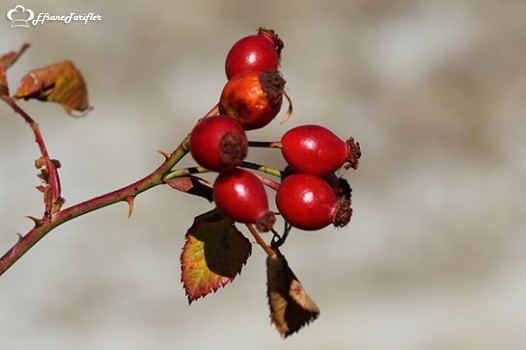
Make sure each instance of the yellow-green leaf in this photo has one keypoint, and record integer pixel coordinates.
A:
(213, 255)
(61, 82)
(291, 307)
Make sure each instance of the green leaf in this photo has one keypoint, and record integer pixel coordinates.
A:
(61, 82)
(213, 255)
(291, 308)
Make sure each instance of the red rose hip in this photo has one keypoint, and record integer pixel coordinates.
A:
(218, 143)
(241, 196)
(258, 52)
(316, 150)
(309, 203)
(253, 98)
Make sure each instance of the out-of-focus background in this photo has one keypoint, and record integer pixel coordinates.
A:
(434, 255)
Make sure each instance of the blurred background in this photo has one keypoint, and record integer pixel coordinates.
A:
(433, 258)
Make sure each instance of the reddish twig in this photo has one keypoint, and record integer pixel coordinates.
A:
(52, 199)
(126, 194)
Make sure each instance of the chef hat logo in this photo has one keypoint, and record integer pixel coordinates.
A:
(20, 16)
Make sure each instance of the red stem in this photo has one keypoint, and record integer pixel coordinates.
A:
(52, 204)
(48, 223)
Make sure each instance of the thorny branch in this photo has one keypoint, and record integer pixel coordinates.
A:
(49, 174)
(60, 216)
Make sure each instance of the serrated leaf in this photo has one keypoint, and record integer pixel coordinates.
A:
(213, 254)
(192, 185)
(61, 82)
(9, 58)
(291, 307)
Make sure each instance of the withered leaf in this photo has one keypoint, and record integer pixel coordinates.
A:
(213, 254)
(9, 58)
(291, 307)
(192, 185)
(60, 82)
(4, 88)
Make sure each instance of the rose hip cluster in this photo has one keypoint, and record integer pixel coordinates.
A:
(310, 195)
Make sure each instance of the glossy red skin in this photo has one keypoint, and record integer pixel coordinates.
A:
(255, 52)
(240, 195)
(205, 139)
(313, 149)
(244, 99)
(306, 201)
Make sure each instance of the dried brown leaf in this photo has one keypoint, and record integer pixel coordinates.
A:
(4, 88)
(60, 82)
(291, 307)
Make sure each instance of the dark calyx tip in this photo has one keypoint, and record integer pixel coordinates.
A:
(343, 214)
(233, 148)
(354, 154)
(266, 222)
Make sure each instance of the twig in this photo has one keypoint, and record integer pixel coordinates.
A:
(51, 177)
(42, 227)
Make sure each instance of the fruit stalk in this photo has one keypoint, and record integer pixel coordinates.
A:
(262, 168)
(265, 144)
(260, 240)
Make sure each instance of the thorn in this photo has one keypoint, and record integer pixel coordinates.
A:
(130, 200)
(37, 222)
(20, 237)
(164, 154)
